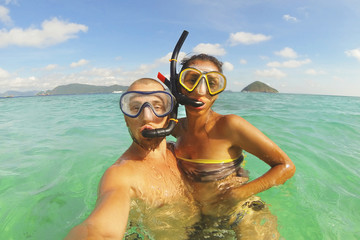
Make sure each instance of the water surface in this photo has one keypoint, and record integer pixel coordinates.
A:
(55, 149)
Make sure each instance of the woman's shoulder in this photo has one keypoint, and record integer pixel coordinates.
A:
(231, 120)
(233, 126)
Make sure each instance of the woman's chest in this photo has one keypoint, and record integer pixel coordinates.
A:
(195, 147)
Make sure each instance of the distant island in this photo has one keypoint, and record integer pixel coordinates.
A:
(77, 88)
(10, 94)
(70, 89)
(259, 87)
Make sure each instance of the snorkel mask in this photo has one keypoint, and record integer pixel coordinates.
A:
(161, 103)
(191, 78)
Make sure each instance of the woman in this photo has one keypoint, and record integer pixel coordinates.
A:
(210, 147)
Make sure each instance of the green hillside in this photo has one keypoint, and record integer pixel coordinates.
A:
(77, 88)
(259, 87)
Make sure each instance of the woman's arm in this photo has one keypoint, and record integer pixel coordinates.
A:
(109, 218)
(252, 140)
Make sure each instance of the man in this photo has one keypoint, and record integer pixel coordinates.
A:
(145, 180)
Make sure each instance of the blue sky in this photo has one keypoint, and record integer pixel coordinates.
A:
(305, 46)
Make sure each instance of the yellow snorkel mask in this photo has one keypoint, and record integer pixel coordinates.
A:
(190, 78)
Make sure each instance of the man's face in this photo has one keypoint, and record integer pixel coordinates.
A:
(146, 119)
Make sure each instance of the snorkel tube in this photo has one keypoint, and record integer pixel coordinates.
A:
(173, 86)
(174, 76)
(162, 132)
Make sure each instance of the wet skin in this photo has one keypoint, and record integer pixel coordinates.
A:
(144, 184)
(205, 134)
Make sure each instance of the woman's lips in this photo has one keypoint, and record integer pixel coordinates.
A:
(202, 106)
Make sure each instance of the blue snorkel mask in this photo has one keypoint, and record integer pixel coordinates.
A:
(161, 103)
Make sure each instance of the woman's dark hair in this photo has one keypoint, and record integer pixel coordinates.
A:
(203, 57)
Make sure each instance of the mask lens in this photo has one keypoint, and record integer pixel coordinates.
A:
(189, 78)
(133, 102)
(216, 82)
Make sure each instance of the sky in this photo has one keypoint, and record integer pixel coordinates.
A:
(298, 46)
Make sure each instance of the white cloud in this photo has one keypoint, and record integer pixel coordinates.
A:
(47, 80)
(289, 18)
(287, 53)
(51, 67)
(272, 73)
(52, 32)
(247, 38)
(11, 1)
(19, 83)
(79, 63)
(166, 58)
(99, 72)
(353, 53)
(181, 56)
(145, 69)
(228, 66)
(338, 79)
(314, 72)
(94, 76)
(243, 61)
(4, 16)
(4, 73)
(289, 64)
(211, 49)
(239, 84)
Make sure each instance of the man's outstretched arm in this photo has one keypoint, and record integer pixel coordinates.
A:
(109, 218)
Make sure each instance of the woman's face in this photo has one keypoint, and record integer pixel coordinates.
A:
(201, 92)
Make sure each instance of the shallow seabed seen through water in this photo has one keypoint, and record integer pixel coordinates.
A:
(54, 150)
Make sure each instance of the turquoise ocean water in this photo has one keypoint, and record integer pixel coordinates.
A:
(54, 150)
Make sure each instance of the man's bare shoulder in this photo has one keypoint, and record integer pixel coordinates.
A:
(119, 175)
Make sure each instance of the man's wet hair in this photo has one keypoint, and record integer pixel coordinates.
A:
(145, 81)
